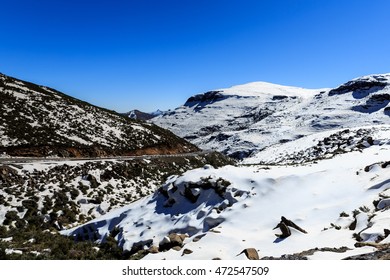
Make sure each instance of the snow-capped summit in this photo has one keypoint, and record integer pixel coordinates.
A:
(242, 120)
(264, 88)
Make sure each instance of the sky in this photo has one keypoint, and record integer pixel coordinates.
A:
(149, 54)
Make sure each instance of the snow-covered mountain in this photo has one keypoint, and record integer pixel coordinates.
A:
(39, 121)
(242, 120)
(320, 158)
(139, 115)
(40, 196)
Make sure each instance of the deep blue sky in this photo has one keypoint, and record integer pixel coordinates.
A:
(149, 54)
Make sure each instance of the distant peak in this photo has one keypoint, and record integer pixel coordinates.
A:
(261, 88)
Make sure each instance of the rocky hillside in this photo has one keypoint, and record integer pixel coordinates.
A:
(336, 207)
(42, 197)
(40, 121)
(243, 120)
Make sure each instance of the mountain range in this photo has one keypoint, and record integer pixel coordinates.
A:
(318, 157)
(243, 120)
(311, 181)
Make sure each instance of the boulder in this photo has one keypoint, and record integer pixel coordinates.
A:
(250, 253)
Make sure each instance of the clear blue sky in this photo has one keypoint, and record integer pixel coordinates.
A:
(155, 54)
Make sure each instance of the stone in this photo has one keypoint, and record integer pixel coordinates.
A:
(153, 249)
(176, 248)
(187, 252)
(250, 253)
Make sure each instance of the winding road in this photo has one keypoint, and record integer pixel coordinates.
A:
(23, 160)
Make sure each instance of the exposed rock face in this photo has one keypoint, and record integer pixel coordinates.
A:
(38, 121)
(362, 85)
(209, 97)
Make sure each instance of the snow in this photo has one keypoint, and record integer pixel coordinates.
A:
(243, 120)
(13, 251)
(261, 88)
(312, 196)
(314, 157)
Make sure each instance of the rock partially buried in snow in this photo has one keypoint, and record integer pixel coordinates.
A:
(172, 241)
(384, 203)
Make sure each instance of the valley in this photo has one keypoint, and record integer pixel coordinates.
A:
(82, 182)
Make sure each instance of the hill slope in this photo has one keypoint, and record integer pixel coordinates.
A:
(242, 120)
(342, 203)
(39, 121)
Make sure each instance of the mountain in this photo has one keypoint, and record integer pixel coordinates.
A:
(342, 204)
(139, 115)
(243, 120)
(76, 168)
(313, 182)
(40, 121)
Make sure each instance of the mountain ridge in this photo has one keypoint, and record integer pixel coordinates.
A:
(238, 121)
(40, 121)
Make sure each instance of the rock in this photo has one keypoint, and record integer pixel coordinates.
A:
(191, 194)
(176, 248)
(198, 237)
(187, 252)
(171, 241)
(164, 241)
(250, 253)
(384, 203)
(153, 249)
(177, 239)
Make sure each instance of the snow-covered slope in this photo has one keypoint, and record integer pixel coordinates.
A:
(242, 120)
(342, 202)
(38, 121)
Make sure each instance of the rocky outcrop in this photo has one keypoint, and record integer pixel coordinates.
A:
(207, 97)
(362, 84)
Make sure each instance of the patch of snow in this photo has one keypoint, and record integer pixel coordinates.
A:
(13, 251)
